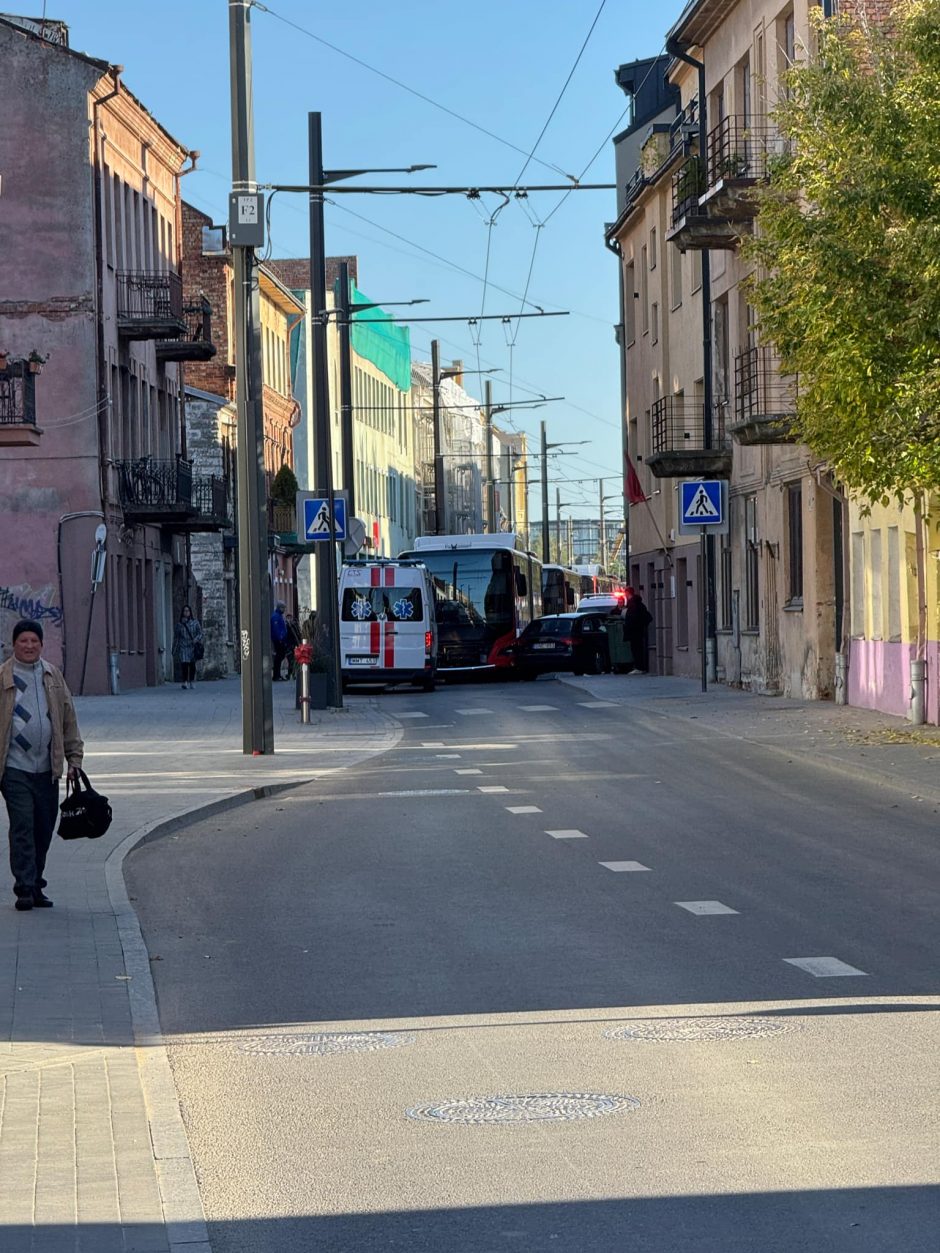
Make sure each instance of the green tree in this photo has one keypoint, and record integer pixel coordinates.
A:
(285, 487)
(847, 283)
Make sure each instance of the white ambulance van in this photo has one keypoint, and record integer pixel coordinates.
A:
(387, 623)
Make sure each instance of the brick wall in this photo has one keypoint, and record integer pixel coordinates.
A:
(204, 421)
(212, 277)
(295, 273)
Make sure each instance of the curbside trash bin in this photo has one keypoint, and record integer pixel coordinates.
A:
(621, 657)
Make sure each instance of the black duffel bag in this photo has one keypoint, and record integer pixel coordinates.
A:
(85, 813)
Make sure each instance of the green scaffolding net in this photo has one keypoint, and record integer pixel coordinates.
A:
(381, 341)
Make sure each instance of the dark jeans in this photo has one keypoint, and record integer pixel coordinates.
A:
(278, 653)
(32, 805)
(638, 647)
(189, 671)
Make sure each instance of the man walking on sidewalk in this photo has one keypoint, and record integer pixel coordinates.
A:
(38, 735)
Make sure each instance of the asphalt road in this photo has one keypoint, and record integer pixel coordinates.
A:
(723, 1041)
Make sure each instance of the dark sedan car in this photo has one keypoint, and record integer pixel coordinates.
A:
(562, 641)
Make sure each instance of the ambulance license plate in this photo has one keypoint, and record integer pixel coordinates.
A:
(361, 661)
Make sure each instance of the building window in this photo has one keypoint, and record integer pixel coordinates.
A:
(877, 592)
(696, 270)
(629, 302)
(858, 584)
(794, 544)
(653, 248)
(751, 565)
(725, 575)
(682, 603)
(676, 276)
(644, 292)
(894, 584)
(654, 322)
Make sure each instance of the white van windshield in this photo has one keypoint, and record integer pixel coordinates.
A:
(382, 604)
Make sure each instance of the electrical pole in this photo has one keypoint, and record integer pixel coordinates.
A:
(602, 530)
(490, 481)
(440, 512)
(327, 592)
(254, 609)
(343, 314)
(558, 523)
(546, 554)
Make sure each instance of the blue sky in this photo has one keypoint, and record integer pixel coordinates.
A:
(502, 64)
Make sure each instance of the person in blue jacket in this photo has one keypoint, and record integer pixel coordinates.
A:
(279, 639)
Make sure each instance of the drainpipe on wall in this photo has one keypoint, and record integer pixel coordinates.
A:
(104, 412)
(675, 49)
(620, 331)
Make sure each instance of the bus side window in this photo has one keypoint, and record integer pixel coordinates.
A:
(522, 587)
(569, 594)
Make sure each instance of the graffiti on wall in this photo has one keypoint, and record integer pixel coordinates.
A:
(24, 601)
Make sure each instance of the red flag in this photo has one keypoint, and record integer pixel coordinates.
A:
(635, 493)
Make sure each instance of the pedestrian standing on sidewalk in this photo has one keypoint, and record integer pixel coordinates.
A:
(188, 645)
(636, 623)
(279, 638)
(38, 735)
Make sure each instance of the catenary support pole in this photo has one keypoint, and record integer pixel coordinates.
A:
(254, 607)
(440, 502)
(544, 442)
(602, 528)
(558, 524)
(327, 593)
(345, 387)
(490, 480)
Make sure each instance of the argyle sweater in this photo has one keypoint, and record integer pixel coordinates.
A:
(31, 734)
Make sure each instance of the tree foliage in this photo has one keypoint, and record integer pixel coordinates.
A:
(285, 487)
(847, 283)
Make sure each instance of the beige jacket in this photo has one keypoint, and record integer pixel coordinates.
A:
(67, 745)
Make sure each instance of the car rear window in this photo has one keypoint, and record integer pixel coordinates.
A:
(548, 626)
(382, 604)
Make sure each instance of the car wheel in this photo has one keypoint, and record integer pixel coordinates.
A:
(528, 675)
(428, 683)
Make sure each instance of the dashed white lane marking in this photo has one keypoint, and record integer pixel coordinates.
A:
(448, 756)
(824, 967)
(400, 714)
(538, 709)
(572, 833)
(623, 865)
(468, 772)
(433, 744)
(469, 713)
(599, 704)
(523, 809)
(705, 907)
(495, 788)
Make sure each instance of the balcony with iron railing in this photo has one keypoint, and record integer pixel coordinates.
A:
(713, 201)
(764, 399)
(210, 509)
(195, 344)
(155, 492)
(680, 449)
(150, 305)
(18, 406)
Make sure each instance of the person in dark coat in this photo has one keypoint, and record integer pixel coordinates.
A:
(279, 639)
(636, 623)
(187, 644)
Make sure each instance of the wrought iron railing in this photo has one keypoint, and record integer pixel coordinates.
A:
(688, 183)
(147, 485)
(282, 519)
(760, 390)
(678, 425)
(193, 340)
(741, 149)
(150, 296)
(17, 396)
(210, 498)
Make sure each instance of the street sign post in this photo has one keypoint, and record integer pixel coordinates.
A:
(703, 510)
(313, 517)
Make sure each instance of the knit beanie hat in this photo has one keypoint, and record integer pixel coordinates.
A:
(27, 624)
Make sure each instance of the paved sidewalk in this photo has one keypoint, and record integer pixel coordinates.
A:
(93, 1155)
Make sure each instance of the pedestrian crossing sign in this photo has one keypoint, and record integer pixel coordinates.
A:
(316, 518)
(702, 503)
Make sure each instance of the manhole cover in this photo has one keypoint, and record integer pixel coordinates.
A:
(680, 1029)
(320, 1043)
(533, 1107)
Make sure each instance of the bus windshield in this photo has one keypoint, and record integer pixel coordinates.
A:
(472, 589)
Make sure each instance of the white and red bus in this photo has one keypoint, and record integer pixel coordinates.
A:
(488, 589)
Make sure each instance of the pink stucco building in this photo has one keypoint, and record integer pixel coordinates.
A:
(90, 280)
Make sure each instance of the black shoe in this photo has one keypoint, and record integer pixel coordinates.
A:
(24, 902)
(41, 901)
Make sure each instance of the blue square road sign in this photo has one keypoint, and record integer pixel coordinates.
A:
(317, 518)
(702, 503)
